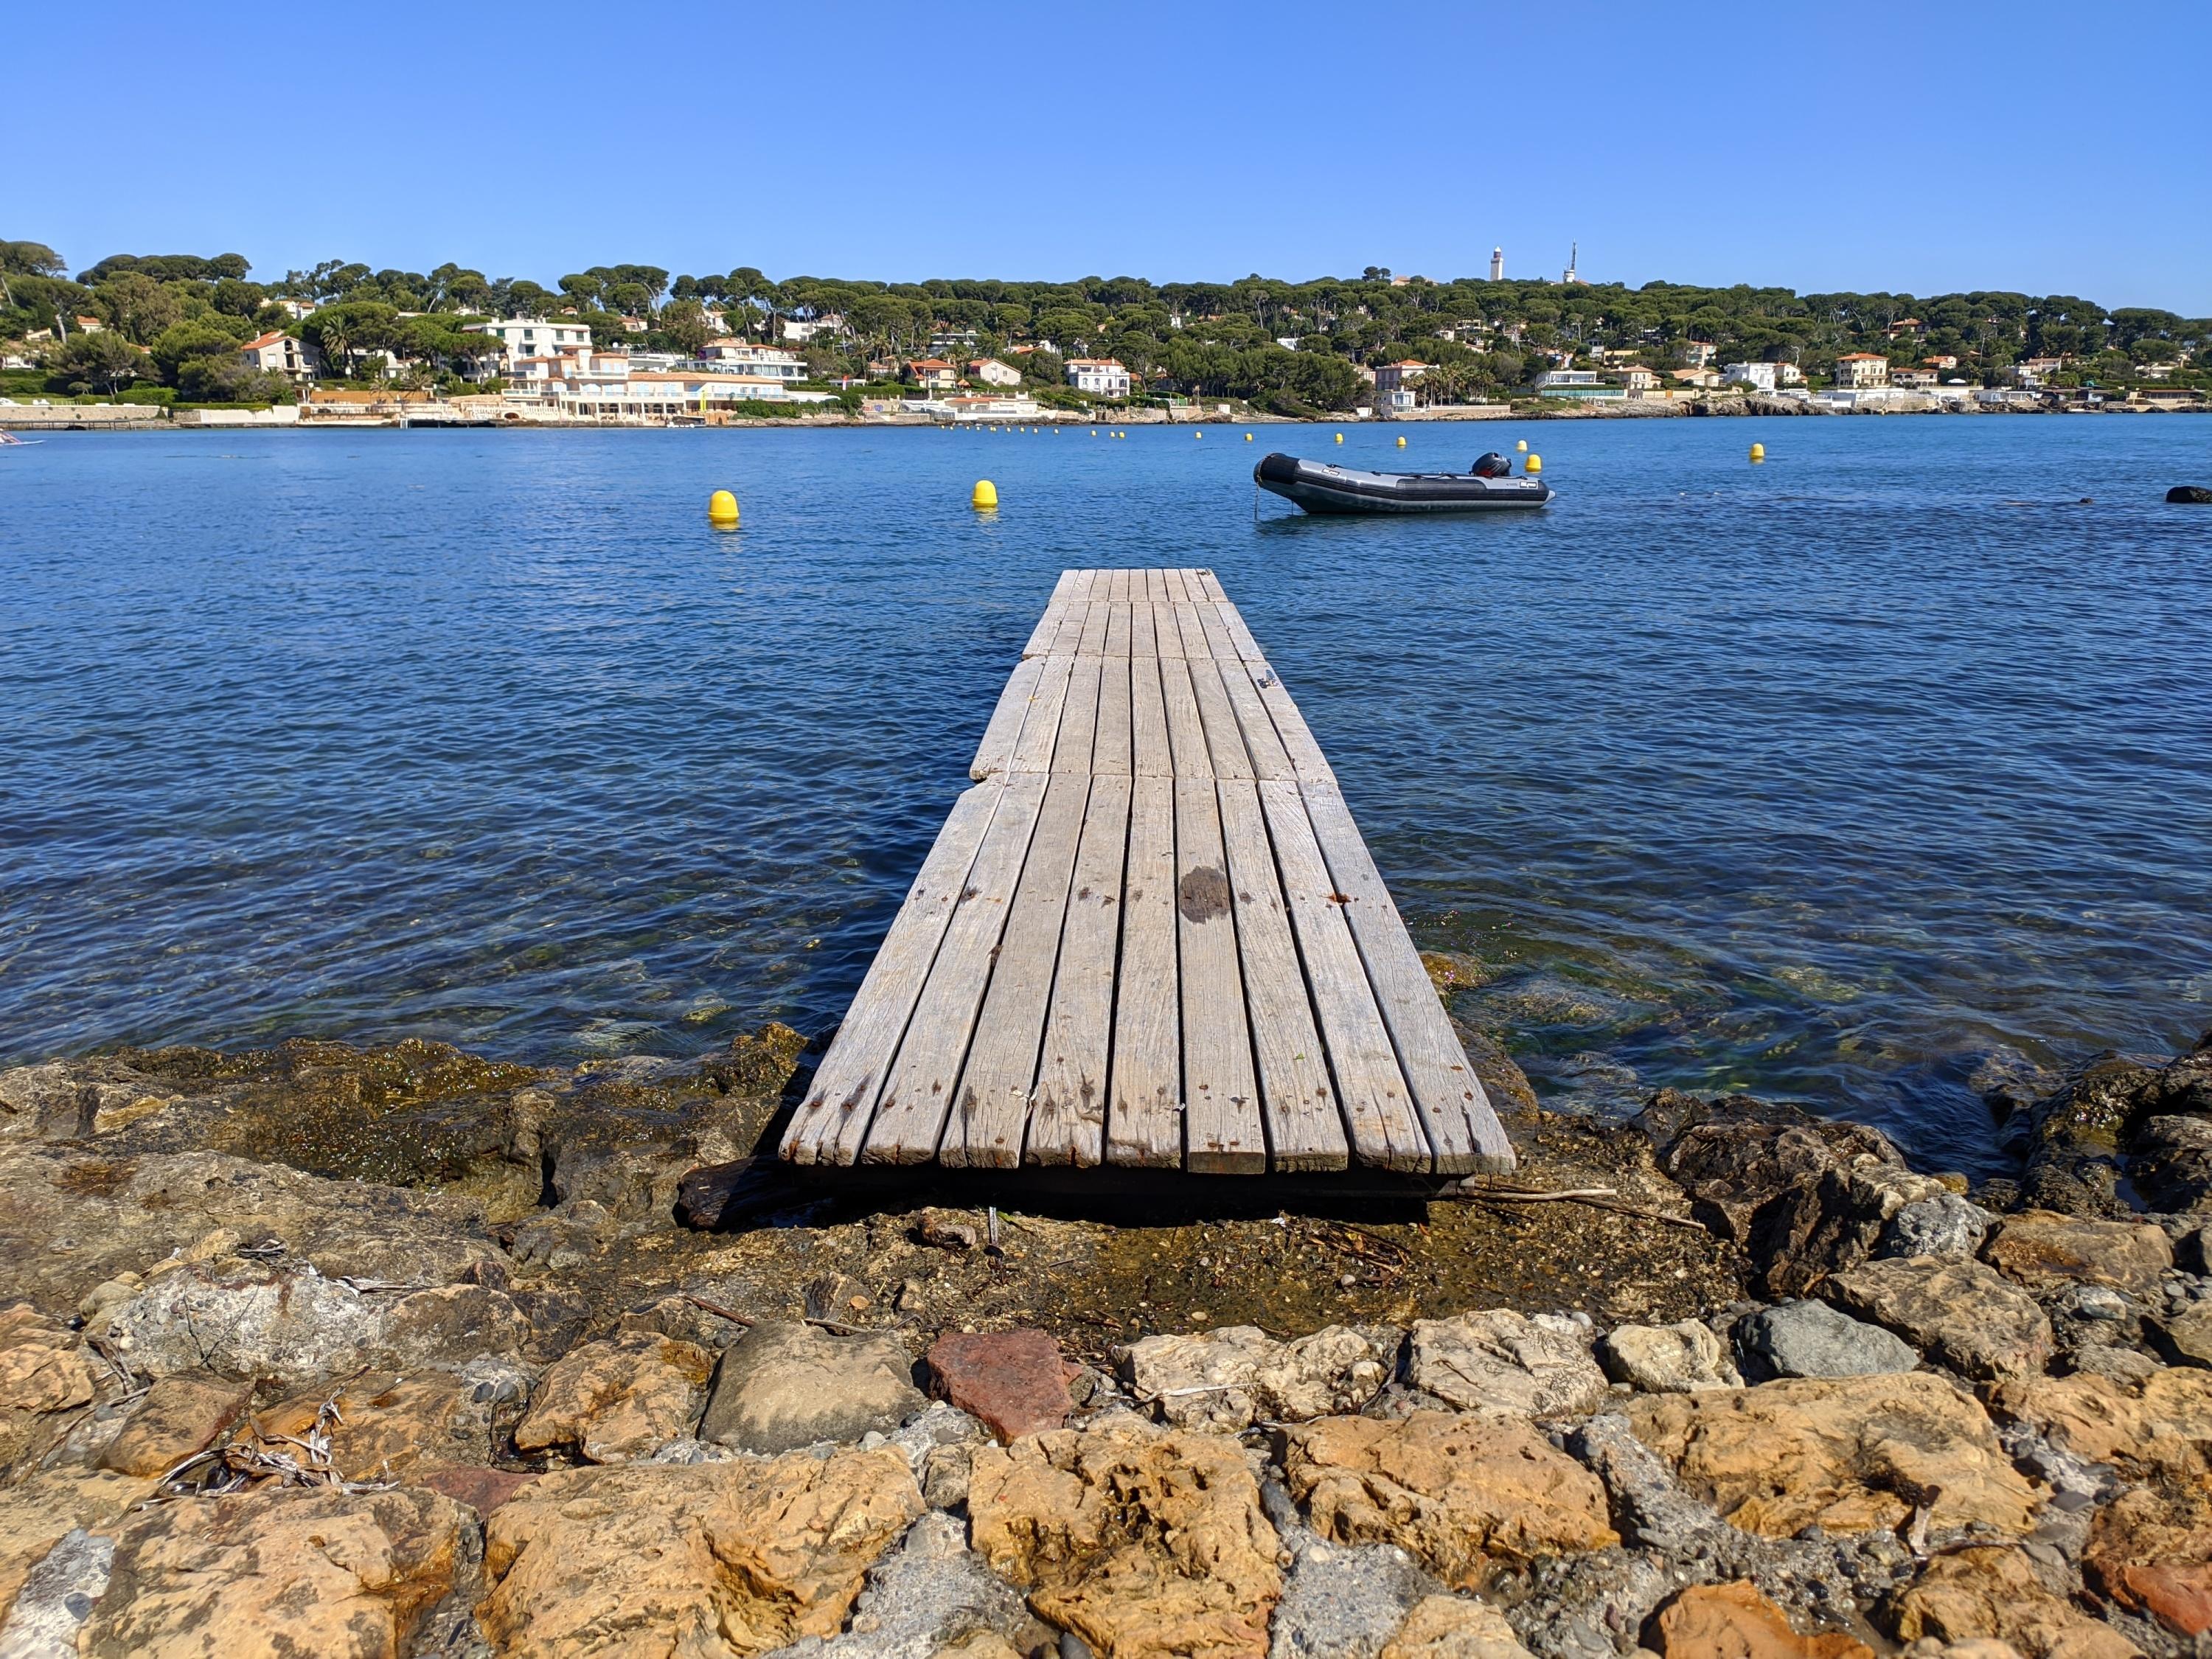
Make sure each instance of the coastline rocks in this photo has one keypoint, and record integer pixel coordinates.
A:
(782, 1386)
(1734, 1621)
(1944, 1226)
(1453, 1628)
(1679, 1358)
(2074, 1137)
(279, 1571)
(1960, 1314)
(2151, 1553)
(736, 1557)
(181, 1416)
(1140, 1540)
(1849, 1455)
(57, 1596)
(381, 1426)
(2038, 1247)
(2186, 1336)
(37, 1513)
(2189, 495)
(43, 1374)
(1500, 1363)
(1228, 1379)
(615, 1401)
(1993, 1590)
(1811, 1339)
(931, 1597)
(1459, 1492)
(1014, 1382)
(2172, 1166)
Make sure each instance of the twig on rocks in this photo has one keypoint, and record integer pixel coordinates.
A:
(737, 1318)
(1597, 1198)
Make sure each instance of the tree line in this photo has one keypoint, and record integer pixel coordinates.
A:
(178, 318)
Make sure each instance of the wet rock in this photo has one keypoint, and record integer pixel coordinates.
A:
(1679, 1358)
(1737, 1155)
(2074, 1138)
(2041, 1247)
(1734, 1621)
(1504, 1362)
(735, 1558)
(180, 1417)
(37, 1512)
(382, 1426)
(615, 1401)
(57, 1596)
(2151, 1552)
(2172, 1167)
(1849, 1455)
(1016, 1382)
(2186, 1336)
(1457, 1491)
(279, 1571)
(1810, 1338)
(1993, 1590)
(2189, 495)
(787, 1385)
(1139, 1540)
(930, 1595)
(1453, 1628)
(1945, 1226)
(1960, 1314)
(1228, 1379)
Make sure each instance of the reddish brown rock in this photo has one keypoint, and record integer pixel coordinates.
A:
(1993, 1590)
(42, 1367)
(482, 1490)
(382, 1425)
(1015, 1381)
(180, 1417)
(615, 1401)
(1734, 1621)
(2042, 1245)
(2152, 1551)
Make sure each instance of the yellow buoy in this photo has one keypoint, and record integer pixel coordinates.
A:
(985, 496)
(1758, 451)
(1339, 437)
(1094, 431)
(1534, 466)
(722, 510)
(1402, 442)
(1522, 445)
(1248, 437)
(1198, 434)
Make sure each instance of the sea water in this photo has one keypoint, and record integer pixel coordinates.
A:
(1858, 778)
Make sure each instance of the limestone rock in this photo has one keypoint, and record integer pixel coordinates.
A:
(1810, 1338)
(678, 1560)
(929, 1596)
(1734, 1621)
(181, 1415)
(1016, 1382)
(57, 1596)
(1502, 1362)
(383, 1425)
(2040, 1245)
(1960, 1313)
(1340, 1601)
(1944, 1226)
(1453, 1628)
(37, 1513)
(1145, 1541)
(2187, 1336)
(1679, 1358)
(1993, 1591)
(2152, 1551)
(42, 1368)
(784, 1386)
(1851, 1455)
(1457, 1491)
(270, 1574)
(614, 1401)
(1228, 1379)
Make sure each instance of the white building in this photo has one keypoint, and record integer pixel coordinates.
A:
(1759, 377)
(533, 336)
(1697, 354)
(991, 372)
(742, 356)
(603, 385)
(1855, 369)
(1789, 374)
(1498, 265)
(991, 408)
(278, 353)
(1103, 377)
(1394, 384)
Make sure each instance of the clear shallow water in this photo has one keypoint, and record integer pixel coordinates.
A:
(1827, 777)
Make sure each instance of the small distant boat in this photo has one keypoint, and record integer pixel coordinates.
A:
(10, 441)
(1320, 488)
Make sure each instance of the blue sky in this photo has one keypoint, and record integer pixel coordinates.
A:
(1917, 148)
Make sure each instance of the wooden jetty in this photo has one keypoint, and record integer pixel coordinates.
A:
(1149, 937)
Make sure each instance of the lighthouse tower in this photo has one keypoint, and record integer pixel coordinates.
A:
(1498, 265)
(1570, 276)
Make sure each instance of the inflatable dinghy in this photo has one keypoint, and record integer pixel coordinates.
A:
(1322, 489)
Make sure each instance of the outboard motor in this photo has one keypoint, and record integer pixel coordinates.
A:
(1493, 466)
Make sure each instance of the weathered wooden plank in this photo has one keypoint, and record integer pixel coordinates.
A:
(1143, 639)
(1078, 720)
(918, 1089)
(1047, 630)
(1187, 623)
(995, 752)
(1305, 1131)
(1463, 1130)
(1262, 742)
(1067, 1112)
(992, 1103)
(1247, 647)
(1156, 584)
(1379, 1110)
(1306, 758)
(1224, 740)
(841, 1099)
(1117, 629)
(1041, 729)
(1177, 594)
(1151, 753)
(1064, 589)
(1092, 642)
(1070, 636)
(1185, 732)
(1144, 1122)
(1168, 630)
(1117, 587)
(1222, 1125)
(1110, 754)
(1210, 586)
(1220, 643)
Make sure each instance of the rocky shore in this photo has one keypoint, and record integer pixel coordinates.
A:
(332, 1351)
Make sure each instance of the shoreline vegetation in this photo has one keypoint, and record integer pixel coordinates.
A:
(397, 1350)
(192, 340)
